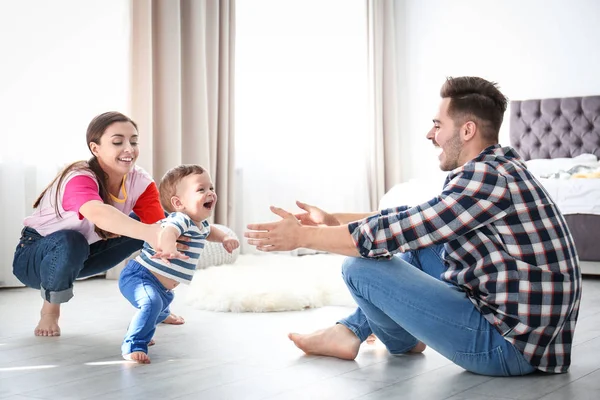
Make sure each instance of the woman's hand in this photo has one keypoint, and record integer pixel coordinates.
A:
(314, 216)
(167, 246)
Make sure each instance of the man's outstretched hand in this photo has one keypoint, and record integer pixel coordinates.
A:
(314, 216)
(282, 235)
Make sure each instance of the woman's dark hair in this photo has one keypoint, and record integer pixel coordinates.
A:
(95, 130)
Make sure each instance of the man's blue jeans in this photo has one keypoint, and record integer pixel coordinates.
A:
(53, 262)
(145, 292)
(403, 301)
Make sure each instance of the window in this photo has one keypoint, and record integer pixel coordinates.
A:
(301, 105)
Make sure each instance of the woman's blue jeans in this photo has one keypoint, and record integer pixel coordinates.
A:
(403, 301)
(53, 262)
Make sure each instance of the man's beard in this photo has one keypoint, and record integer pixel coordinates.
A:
(452, 151)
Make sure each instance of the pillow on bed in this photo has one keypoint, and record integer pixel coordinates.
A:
(543, 166)
(413, 192)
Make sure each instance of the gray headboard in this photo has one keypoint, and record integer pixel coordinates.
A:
(552, 128)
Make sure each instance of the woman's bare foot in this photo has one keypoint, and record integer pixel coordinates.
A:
(48, 325)
(138, 356)
(173, 319)
(335, 341)
(152, 342)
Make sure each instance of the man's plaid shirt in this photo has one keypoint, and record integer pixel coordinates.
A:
(507, 246)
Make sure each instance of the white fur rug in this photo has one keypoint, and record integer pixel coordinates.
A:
(264, 283)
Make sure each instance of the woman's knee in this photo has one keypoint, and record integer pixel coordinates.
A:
(66, 253)
(70, 244)
(50, 259)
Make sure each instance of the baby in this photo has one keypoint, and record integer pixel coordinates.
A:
(187, 193)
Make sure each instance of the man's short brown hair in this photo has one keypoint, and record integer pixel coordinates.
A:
(474, 98)
(168, 183)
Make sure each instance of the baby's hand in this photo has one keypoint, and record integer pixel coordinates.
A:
(230, 244)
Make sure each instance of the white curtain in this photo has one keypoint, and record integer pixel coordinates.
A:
(182, 86)
(63, 62)
(301, 106)
(384, 106)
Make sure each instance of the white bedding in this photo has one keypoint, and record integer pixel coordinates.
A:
(572, 196)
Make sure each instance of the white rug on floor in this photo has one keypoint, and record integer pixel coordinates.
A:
(264, 283)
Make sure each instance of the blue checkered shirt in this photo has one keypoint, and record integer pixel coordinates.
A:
(507, 247)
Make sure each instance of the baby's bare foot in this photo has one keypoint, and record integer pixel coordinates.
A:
(173, 319)
(48, 325)
(336, 341)
(138, 356)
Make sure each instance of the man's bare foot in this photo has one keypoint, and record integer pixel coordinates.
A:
(335, 341)
(173, 319)
(371, 339)
(152, 342)
(48, 325)
(138, 356)
(419, 348)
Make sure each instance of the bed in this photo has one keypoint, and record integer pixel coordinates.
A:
(561, 133)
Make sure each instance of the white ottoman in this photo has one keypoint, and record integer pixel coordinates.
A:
(215, 254)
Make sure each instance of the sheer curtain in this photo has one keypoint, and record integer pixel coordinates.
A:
(385, 70)
(63, 62)
(301, 106)
(182, 89)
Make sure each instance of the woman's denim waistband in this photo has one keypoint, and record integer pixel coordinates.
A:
(29, 231)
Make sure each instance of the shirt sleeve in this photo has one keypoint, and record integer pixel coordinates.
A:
(78, 191)
(179, 221)
(393, 210)
(475, 196)
(148, 207)
(205, 230)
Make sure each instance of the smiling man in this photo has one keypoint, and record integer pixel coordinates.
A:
(486, 273)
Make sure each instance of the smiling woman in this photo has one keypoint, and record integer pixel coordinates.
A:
(81, 226)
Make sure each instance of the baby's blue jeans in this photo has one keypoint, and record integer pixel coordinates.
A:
(145, 292)
(403, 301)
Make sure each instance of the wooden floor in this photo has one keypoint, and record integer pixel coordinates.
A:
(246, 356)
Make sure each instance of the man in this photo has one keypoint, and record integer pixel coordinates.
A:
(488, 274)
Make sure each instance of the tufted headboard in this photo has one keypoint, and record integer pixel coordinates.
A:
(552, 128)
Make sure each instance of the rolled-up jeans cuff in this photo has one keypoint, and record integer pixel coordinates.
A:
(404, 350)
(57, 297)
(353, 329)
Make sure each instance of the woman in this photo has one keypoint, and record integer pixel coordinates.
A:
(81, 224)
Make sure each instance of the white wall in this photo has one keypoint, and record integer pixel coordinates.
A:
(61, 63)
(532, 48)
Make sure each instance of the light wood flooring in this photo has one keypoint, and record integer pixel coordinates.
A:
(246, 356)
